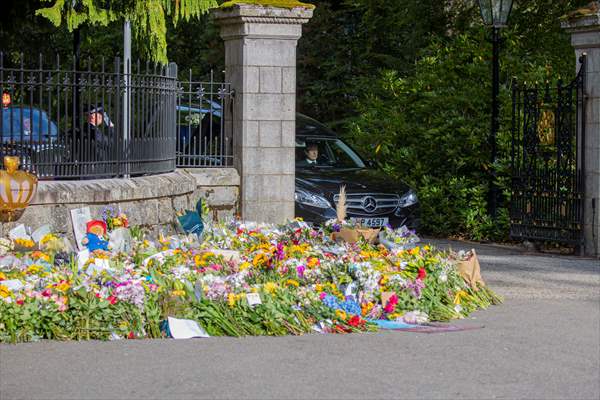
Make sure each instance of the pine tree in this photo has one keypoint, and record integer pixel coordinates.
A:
(148, 17)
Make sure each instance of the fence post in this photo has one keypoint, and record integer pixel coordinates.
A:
(585, 38)
(260, 64)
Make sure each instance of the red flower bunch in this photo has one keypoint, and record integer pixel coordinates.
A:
(391, 304)
(422, 274)
(356, 321)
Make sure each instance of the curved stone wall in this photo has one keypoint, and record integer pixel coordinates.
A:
(151, 201)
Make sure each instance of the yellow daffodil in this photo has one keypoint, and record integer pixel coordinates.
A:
(459, 295)
(231, 299)
(270, 287)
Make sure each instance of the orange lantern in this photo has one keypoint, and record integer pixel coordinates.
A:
(17, 188)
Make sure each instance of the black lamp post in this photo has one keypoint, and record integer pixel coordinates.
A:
(495, 14)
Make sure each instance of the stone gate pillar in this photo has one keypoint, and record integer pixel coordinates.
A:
(585, 38)
(260, 64)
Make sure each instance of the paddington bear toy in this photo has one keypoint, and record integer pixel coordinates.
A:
(95, 236)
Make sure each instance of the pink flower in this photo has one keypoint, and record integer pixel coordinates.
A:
(300, 270)
(47, 293)
(322, 295)
(391, 304)
(215, 267)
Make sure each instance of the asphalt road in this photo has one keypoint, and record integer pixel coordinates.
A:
(542, 343)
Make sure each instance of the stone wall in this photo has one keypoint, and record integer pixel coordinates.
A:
(150, 201)
(585, 38)
(260, 63)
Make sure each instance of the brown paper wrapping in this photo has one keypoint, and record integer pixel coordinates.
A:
(352, 235)
(471, 271)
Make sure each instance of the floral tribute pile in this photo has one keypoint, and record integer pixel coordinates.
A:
(235, 279)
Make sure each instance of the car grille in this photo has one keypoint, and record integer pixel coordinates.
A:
(369, 203)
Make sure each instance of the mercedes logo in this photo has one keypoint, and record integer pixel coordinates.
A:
(369, 204)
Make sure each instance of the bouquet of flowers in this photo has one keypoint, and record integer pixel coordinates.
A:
(398, 239)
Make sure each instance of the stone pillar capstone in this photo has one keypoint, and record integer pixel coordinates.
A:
(585, 38)
(260, 64)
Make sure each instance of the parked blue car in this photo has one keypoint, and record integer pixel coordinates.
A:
(29, 132)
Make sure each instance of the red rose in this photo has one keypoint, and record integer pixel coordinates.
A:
(422, 274)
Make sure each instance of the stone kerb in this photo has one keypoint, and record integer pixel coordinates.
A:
(260, 64)
(585, 38)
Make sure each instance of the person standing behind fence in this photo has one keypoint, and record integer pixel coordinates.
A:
(99, 131)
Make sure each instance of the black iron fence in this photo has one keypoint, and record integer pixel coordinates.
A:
(98, 122)
(548, 161)
(204, 137)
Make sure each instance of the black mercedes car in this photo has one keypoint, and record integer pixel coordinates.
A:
(324, 163)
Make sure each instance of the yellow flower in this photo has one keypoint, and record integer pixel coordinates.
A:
(231, 299)
(270, 287)
(34, 269)
(4, 292)
(245, 265)
(460, 294)
(2, 276)
(292, 282)
(341, 314)
(47, 237)
(318, 287)
(63, 286)
(25, 242)
(259, 259)
(395, 316)
(179, 293)
(312, 262)
(414, 251)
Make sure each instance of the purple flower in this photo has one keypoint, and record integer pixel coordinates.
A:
(300, 270)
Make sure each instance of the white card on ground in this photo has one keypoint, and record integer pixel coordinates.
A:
(185, 329)
(40, 232)
(18, 232)
(253, 299)
(79, 219)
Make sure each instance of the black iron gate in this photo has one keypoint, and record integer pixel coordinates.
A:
(547, 162)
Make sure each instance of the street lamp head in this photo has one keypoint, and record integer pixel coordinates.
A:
(495, 12)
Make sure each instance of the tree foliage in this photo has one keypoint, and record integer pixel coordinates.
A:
(431, 127)
(148, 17)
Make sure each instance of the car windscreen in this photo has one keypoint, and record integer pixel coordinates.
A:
(326, 153)
(32, 123)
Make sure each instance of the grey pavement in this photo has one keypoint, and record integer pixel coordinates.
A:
(542, 343)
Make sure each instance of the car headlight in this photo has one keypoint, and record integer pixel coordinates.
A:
(408, 199)
(311, 199)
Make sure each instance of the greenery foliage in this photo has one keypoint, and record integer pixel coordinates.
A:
(430, 127)
(148, 18)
